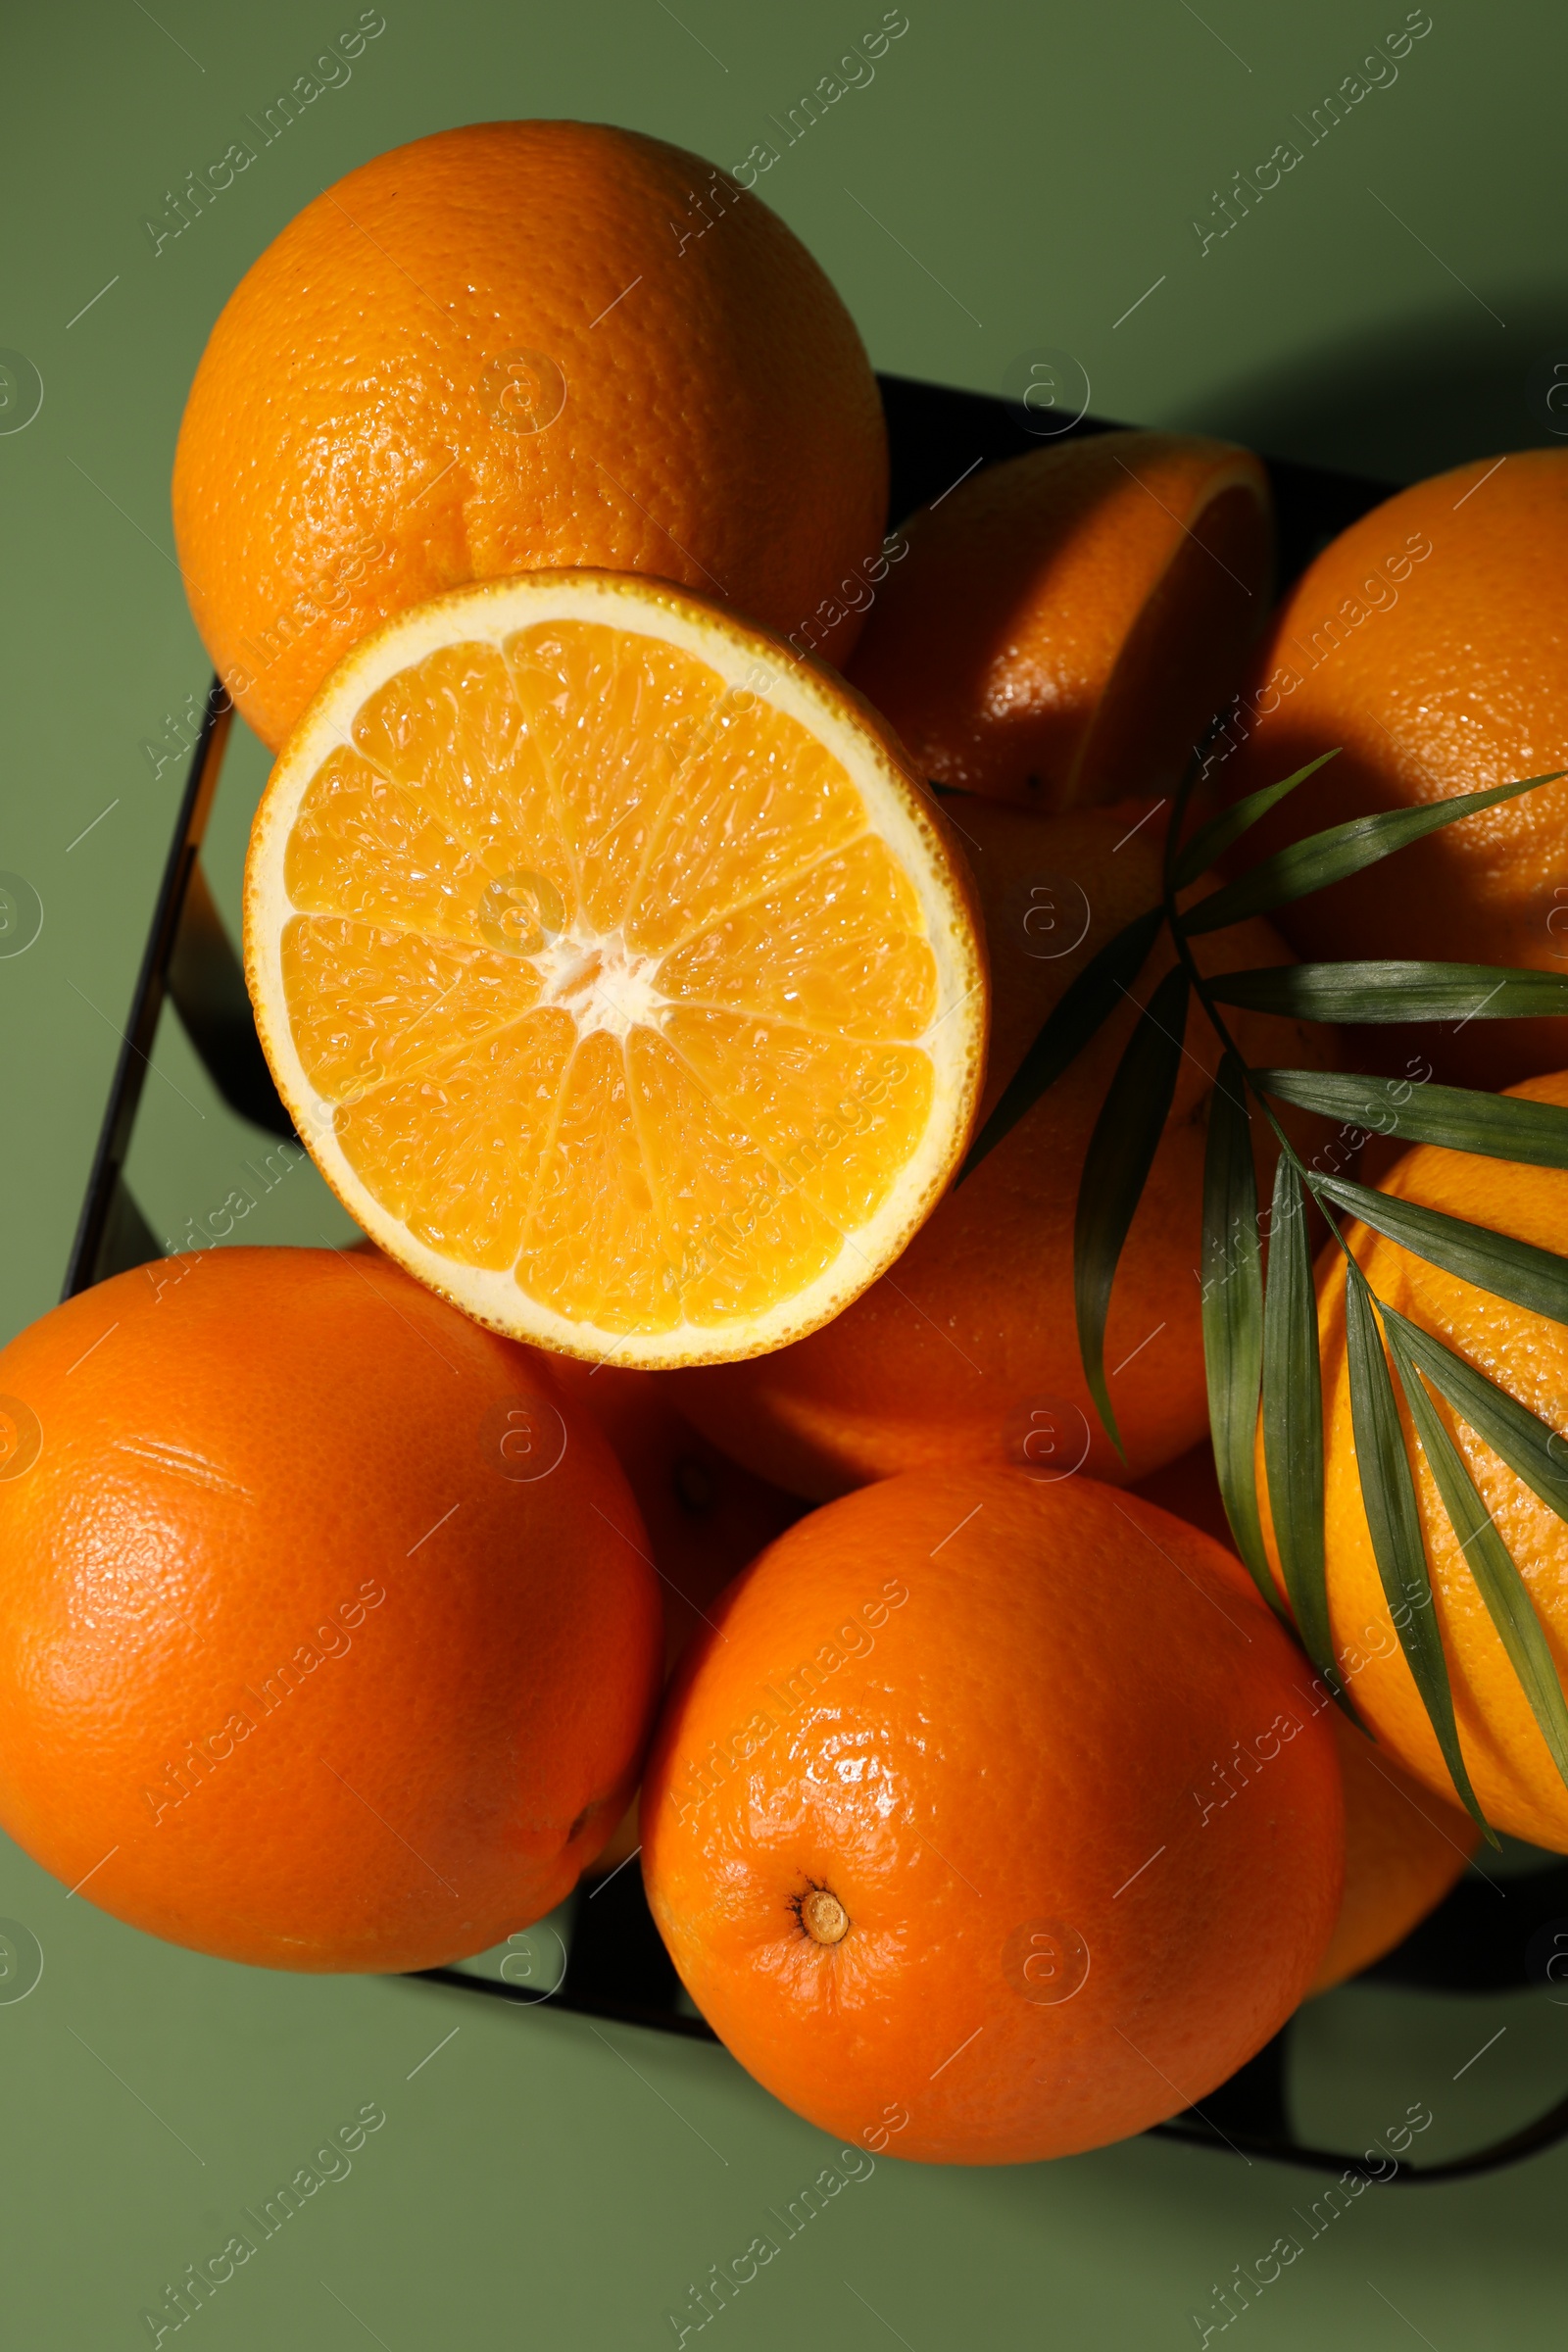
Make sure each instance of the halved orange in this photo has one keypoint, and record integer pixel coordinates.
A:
(618, 973)
(1058, 629)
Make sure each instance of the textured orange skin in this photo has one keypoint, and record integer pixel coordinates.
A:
(1020, 1736)
(1511, 1769)
(1063, 626)
(428, 1790)
(944, 1359)
(351, 446)
(706, 1517)
(1403, 1850)
(1460, 685)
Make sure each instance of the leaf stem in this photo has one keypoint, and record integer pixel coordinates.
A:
(1218, 1022)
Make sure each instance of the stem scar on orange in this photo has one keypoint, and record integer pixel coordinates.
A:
(949, 1817)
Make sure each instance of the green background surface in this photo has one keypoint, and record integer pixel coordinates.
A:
(1011, 177)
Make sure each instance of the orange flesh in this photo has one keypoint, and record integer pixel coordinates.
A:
(606, 977)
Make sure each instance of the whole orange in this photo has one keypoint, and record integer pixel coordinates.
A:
(1404, 1849)
(315, 1650)
(948, 1828)
(1428, 642)
(506, 348)
(1061, 628)
(966, 1350)
(1524, 1353)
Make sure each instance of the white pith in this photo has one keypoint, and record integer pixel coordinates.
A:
(599, 980)
(602, 983)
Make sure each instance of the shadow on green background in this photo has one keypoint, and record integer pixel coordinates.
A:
(1011, 177)
(1413, 399)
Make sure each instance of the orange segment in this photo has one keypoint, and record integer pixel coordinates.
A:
(374, 1005)
(449, 730)
(842, 948)
(613, 715)
(361, 846)
(840, 1119)
(759, 798)
(736, 1223)
(620, 977)
(594, 1249)
(454, 1155)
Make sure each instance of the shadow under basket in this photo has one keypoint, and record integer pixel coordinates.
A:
(1480, 1941)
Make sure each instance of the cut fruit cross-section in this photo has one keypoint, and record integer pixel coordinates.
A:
(617, 972)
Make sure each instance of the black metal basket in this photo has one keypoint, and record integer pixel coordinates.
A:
(618, 1968)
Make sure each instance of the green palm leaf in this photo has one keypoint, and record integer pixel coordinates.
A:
(1260, 1331)
(1233, 1313)
(1535, 1452)
(1084, 1009)
(1499, 1126)
(1292, 1420)
(1487, 1555)
(1343, 849)
(1532, 1278)
(1391, 991)
(1394, 1522)
(1121, 1152)
(1192, 776)
(1212, 840)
